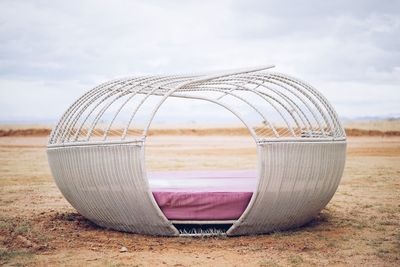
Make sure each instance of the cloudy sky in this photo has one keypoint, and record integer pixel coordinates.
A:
(51, 52)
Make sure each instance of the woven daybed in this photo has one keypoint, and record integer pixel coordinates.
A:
(96, 155)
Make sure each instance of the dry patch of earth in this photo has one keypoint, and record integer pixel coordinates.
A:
(360, 226)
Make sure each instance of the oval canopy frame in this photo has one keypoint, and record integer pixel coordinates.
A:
(96, 151)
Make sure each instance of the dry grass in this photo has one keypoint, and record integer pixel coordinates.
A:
(360, 226)
(380, 125)
(190, 132)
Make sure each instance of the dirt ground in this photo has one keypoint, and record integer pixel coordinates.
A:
(360, 226)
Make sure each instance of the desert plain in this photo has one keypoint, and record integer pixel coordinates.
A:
(359, 227)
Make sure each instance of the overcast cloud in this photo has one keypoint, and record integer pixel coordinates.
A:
(51, 52)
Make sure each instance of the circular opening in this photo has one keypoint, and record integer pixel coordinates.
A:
(201, 163)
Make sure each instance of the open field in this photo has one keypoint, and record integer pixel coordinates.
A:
(353, 128)
(360, 226)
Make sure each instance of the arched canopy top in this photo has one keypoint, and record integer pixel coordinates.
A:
(273, 106)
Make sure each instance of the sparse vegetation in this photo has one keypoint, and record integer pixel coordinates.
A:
(5, 224)
(23, 228)
(295, 259)
(38, 226)
(17, 255)
(269, 263)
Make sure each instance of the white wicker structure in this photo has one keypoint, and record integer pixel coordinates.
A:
(96, 151)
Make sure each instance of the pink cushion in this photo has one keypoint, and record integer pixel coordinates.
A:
(203, 195)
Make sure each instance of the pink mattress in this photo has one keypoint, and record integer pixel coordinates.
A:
(203, 195)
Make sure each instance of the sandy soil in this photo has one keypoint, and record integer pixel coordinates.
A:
(388, 127)
(360, 226)
(381, 125)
